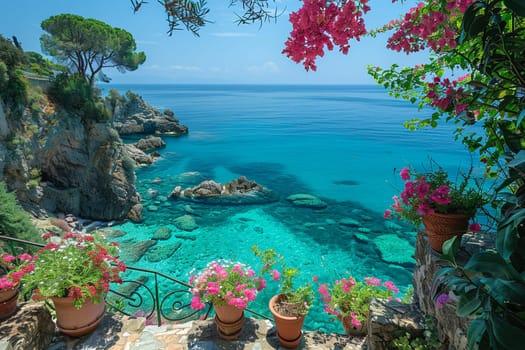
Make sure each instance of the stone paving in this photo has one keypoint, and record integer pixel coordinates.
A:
(132, 334)
(202, 335)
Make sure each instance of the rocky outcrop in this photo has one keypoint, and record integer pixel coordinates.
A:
(131, 115)
(150, 143)
(87, 172)
(238, 191)
(62, 163)
(139, 157)
(137, 151)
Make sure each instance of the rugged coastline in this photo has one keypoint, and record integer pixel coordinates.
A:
(60, 163)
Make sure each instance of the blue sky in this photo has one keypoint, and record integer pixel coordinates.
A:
(224, 52)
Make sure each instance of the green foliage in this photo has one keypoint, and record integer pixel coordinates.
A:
(76, 265)
(302, 296)
(491, 290)
(78, 97)
(14, 221)
(87, 46)
(11, 55)
(12, 87)
(37, 64)
(192, 13)
(488, 107)
(114, 99)
(429, 340)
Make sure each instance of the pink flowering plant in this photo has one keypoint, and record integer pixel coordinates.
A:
(76, 265)
(433, 192)
(297, 299)
(225, 282)
(348, 298)
(12, 269)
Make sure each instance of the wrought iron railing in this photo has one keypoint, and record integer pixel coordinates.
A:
(151, 294)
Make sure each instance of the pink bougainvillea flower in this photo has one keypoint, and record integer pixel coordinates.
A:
(405, 174)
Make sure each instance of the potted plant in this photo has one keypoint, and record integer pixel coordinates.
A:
(74, 271)
(229, 286)
(349, 300)
(443, 207)
(291, 305)
(10, 276)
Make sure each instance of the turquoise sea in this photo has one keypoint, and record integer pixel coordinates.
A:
(343, 144)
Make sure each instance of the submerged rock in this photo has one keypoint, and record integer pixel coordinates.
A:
(162, 252)
(186, 223)
(306, 201)
(349, 222)
(394, 249)
(163, 233)
(133, 252)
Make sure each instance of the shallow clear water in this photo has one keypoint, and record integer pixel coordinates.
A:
(344, 144)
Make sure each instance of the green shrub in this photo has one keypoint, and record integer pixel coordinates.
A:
(14, 221)
(78, 97)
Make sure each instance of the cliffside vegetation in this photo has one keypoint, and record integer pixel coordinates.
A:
(59, 152)
(14, 221)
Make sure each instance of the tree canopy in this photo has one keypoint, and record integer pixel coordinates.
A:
(87, 46)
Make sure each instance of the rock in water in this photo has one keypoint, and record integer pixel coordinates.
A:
(135, 251)
(186, 223)
(162, 252)
(394, 249)
(134, 116)
(150, 143)
(306, 201)
(163, 233)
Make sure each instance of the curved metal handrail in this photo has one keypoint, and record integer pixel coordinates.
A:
(145, 298)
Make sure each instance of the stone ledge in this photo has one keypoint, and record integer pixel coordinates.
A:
(31, 327)
(389, 319)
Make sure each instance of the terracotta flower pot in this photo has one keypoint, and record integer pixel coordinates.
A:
(350, 329)
(442, 227)
(229, 321)
(78, 322)
(8, 302)
(289, 329)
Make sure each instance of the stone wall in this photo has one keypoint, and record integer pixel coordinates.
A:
(451, 329)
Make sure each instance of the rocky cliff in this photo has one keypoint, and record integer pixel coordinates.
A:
(58, 162)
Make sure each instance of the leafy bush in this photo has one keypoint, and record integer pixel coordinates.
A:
(77, 96)
(14, 221)
(12, 87)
